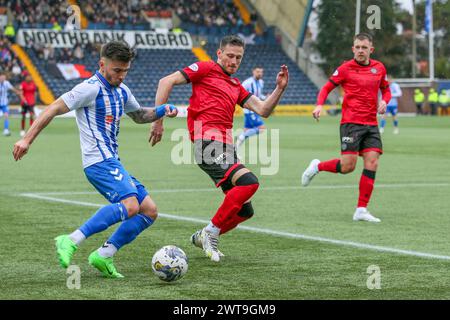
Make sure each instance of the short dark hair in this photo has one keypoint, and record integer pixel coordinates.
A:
(232, 40)
(118, 51)
(363, 36)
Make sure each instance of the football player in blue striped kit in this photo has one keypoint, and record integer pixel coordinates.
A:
(99, 103)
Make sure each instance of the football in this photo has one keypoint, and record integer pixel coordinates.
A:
(169, 263)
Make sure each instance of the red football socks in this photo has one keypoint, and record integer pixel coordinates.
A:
(226, 216)
(330, 166)
(366, 184)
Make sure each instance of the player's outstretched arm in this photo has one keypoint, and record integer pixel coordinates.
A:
(165, 87)
(56, 108)
(265, 108)
(147, 115)
(322, 98)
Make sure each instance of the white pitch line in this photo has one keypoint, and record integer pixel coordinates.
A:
(280, 188)
(265, 231)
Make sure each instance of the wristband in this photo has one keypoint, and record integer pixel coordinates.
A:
(161, 110)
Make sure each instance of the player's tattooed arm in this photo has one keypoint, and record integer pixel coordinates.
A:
(143, 115)
(146, 115)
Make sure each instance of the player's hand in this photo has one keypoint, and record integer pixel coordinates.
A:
(283, 77)
(382, 107)
(316, 112)
(20, 149)
(156, 132)
(171, 112)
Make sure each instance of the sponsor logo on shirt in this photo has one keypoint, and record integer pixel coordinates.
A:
(193, 67)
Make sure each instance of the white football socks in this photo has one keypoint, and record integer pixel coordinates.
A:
(107, 250)
(77, 236)
(212, 229)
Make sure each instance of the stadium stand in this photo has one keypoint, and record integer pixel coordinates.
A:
(207, 20)
(11, 65)
(150, 65)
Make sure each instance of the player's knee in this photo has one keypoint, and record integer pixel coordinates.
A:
(132, 206)
(248, 179)
(347, 167)
(371, 164)
(246, 211)
(149, 209)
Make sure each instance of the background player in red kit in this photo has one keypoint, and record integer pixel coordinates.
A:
(361, 79)
(210, 120)
(29, 91)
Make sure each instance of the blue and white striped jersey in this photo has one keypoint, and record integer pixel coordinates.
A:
(98, 107)
(396, 93)
(256, 88)
(4, 87)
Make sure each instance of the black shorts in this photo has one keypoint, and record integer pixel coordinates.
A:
(360, 138)
(219, 160)
(27, 108)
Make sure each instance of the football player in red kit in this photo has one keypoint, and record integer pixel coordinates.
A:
(215, 94)
(361, 78)
(29, 91)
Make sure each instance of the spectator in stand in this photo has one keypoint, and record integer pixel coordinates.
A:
(78, 52)
(10, 33)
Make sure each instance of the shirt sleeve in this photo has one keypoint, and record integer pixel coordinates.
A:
(196, 71)
(8, 85)
(132, 104)
(244, 95)
(384, 81)
(338, 77)
(82, 95)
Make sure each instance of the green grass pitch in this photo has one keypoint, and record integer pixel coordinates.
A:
(276, 259)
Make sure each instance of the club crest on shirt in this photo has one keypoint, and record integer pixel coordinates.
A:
(234, 81)
(193, 67)
(109, 119)
(336, 73)
(374, 71)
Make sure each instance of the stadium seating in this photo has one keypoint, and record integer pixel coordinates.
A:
(151, 65)
(147, 69)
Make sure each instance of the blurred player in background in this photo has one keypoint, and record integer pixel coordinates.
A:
(210, 121)
(5, 86)
(361, 79)
(29, 91)
(392, 106)
(99, 103)
(253, 123)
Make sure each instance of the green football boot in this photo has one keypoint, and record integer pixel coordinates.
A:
(104, 265)
(65, 248)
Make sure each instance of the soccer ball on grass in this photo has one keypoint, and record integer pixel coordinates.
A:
(169, 263)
